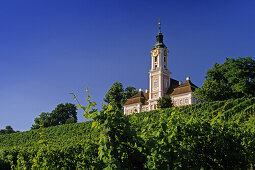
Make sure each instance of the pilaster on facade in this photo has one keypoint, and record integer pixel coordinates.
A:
(160, 85)
(150, 87)
(149, 105)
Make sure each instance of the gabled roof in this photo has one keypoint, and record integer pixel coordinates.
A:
(186, 87)
(140, 97)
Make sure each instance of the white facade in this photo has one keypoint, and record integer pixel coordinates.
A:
(183, 99)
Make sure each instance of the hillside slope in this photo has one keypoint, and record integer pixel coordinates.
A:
(60, 135)
(208, 135)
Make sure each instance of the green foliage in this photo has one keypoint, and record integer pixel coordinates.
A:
(118, 147)
(7, 130)
(116, 95)
(61, 135)
(129, 92)
(196, 137)
(71, 120)
(234, 78)
(164, 102)
(63, 113)
(213, 135)
(64, 146)
(43, 120)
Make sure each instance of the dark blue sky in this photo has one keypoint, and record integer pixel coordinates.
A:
(50, 48)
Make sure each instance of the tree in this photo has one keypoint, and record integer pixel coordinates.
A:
(129, 92)
(164, 102)
(234, 78)
(7, 130)
(63, 113)
(116, 95)
(43, 120)
(2, 131)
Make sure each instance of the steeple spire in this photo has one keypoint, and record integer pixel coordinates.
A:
(159, 26)
(159, 37)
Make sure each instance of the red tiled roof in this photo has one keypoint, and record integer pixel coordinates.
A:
(140, 97)
(186, 87)
(187, 83)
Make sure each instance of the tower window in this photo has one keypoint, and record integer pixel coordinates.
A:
(155, 84)
(155, 66)
(164, 59)
(156, 59)
(165, 53)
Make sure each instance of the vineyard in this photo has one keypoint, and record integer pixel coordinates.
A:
(214, 135)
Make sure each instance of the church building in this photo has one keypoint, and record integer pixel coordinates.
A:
(161, 84)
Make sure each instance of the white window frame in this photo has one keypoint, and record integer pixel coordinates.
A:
(186, 101)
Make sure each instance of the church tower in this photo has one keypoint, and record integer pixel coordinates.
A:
(161, 84)
(159, 73)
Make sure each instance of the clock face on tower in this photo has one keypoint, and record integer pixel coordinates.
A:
(155, 53)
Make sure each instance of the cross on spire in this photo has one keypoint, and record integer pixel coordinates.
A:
(159, 26)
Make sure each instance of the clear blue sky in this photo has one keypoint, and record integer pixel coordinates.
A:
(50, 48)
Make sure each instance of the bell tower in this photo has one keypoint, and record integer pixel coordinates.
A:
(159, 73)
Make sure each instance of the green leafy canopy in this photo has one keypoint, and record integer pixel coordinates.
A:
(165, 102)
(234, 78)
